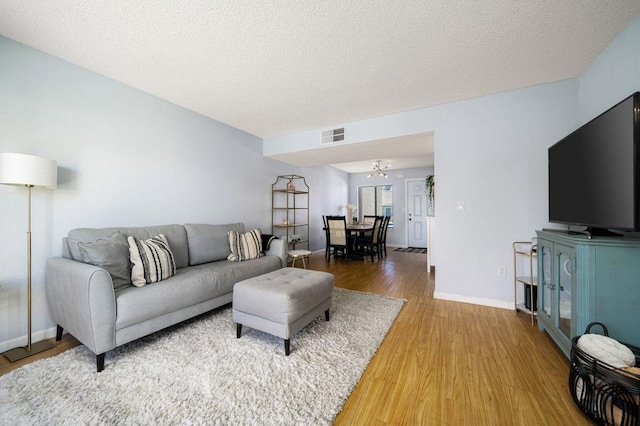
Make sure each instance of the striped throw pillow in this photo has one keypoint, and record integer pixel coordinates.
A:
(245, 246)
(152, 260)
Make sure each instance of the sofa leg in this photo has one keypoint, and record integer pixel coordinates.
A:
(287, 346)
(58, 333)
(100, 362)
(326, 315)
(238, 330)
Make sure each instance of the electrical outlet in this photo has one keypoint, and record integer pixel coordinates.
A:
(502, 271)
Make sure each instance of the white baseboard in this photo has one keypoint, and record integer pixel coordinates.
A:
(474, 300)
(22, 340)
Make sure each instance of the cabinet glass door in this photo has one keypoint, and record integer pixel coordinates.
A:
(565, 266)
(545, 271)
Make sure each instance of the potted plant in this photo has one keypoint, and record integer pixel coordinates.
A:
(351, 212)
(429, 188)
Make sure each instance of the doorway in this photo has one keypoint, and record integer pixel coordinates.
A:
(416, 213)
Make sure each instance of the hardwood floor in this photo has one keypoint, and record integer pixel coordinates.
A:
(66, 343)
(442, 362)
(450, 363)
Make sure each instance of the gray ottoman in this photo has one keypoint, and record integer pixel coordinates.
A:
(282, 302)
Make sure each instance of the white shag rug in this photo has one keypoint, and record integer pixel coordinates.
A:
(199, 373)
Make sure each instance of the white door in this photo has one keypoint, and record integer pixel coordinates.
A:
(416, 213)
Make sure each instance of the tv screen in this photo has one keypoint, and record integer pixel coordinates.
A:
(593, 175)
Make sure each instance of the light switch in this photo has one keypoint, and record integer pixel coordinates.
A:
(460, 206)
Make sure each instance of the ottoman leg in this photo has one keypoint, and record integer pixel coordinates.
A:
(238, 330)
(326, 315)
(287, 346)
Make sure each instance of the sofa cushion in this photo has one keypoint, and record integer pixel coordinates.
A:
(111, 254)
(209, 243)
(190, 286)
(152, 260)
(175, 234)
(245, 246)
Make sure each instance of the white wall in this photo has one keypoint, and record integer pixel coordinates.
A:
(496, 163)
(613, 75)
(125, 159)
(328, 194)
(491, 153)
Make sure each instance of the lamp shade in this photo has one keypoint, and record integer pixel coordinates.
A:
(23, 169)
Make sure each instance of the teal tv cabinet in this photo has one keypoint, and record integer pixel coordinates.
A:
(584, 280)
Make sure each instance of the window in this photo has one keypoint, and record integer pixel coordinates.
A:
(375, 201)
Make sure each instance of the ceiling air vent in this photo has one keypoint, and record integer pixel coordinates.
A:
(334, 135)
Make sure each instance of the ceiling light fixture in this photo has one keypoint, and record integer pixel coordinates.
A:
(376, 168)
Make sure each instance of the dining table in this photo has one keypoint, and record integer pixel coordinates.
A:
(355, 229)
(358, 228)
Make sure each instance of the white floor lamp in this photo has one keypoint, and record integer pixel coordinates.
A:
(29, 171)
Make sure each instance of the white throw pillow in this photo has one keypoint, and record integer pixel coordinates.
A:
(152, 260)
(245, 246)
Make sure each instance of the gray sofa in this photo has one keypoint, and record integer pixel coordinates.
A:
(104, 310)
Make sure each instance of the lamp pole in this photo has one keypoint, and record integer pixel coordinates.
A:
(29, 187)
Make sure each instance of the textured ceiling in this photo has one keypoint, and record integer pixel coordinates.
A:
(282, 66)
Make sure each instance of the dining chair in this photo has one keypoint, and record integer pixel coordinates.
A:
(368, 220)
(369, 244)
(325, 228)
(383, 235)
(337, 237)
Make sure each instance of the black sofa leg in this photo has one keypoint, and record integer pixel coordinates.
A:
(238, 330)
(287, 346)
(58, 333)
(326, 315)
(100, 362)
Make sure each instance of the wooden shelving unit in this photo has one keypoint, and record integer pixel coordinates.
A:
(525, 270)
(290, 210)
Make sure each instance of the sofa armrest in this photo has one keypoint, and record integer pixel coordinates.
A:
(81, 300)
(278, 248)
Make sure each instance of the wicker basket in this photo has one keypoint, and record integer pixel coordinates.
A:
(608, 395)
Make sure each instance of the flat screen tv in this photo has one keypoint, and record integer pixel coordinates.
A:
(593, 172)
